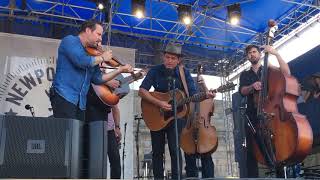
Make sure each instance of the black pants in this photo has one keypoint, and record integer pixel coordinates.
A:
(207, 166)
(252, 170)
(63, 108)
(252, 164)
(158, 145)
(114, 156)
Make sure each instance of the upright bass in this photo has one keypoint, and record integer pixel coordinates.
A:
(199, 136)
(282, 136)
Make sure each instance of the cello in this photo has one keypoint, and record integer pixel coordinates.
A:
(199, 136)
(282, 136)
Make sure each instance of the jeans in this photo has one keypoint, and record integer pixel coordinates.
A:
(207, 166)
(63, 108)
(158, 144)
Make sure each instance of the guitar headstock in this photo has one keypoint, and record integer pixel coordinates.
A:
(226, 87)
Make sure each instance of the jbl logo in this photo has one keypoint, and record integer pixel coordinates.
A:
(36, 146)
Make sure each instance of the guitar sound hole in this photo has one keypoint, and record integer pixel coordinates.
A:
(169, 114)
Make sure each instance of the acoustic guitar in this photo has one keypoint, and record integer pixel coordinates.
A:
(157, 118)
(110, 96)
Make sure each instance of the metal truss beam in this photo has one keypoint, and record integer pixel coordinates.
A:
(301, 14)
(168, 30)
(40, 14)
(305, 4)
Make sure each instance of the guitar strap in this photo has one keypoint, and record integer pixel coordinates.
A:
(183, 79)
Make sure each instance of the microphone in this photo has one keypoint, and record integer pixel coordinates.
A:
(30, 108)
(169, 72)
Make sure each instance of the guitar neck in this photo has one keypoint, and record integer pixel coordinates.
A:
(130, 78)
(195, 98)
(126, 79)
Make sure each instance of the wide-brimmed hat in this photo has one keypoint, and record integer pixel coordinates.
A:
(173, 48)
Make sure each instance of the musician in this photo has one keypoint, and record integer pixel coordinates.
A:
(75, 71)
(316, 80)
(249, 83)
(310, 104)
(96, 109)
(97, 115)
(114, 138)
(159, 77)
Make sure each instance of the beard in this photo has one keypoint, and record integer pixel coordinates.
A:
(254, 61)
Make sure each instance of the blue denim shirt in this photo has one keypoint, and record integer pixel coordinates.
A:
(158, 78)
(75, 71)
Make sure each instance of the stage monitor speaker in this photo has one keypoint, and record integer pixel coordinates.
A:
(36, 147)
(97, 149)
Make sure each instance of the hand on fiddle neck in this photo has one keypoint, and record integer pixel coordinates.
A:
(106, 55)
(126, 68)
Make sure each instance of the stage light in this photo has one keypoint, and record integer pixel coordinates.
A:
(138, 8)
(184, 14)
(139, 14)
(234, 14)
(234, 20)
(187, 20)
(100, 6)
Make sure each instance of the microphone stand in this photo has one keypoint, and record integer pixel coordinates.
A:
(137, 144)
(245, 121)
(32, 111)
(174, 109)
(123, 150)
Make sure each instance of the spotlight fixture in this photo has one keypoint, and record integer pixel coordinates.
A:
(104, 6)
(138, 8)
(100, 6)
(234, 14)
(184, 14)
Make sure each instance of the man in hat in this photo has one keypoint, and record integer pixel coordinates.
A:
(159, 77)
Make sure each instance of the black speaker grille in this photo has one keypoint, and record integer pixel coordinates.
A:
(36, 147)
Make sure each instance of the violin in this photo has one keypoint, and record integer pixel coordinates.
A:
(98, 51)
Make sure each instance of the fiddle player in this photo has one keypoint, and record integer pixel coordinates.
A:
(75, 70)
(249, 83)
(158, 77)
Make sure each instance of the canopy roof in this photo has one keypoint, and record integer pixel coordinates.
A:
(210, 29)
